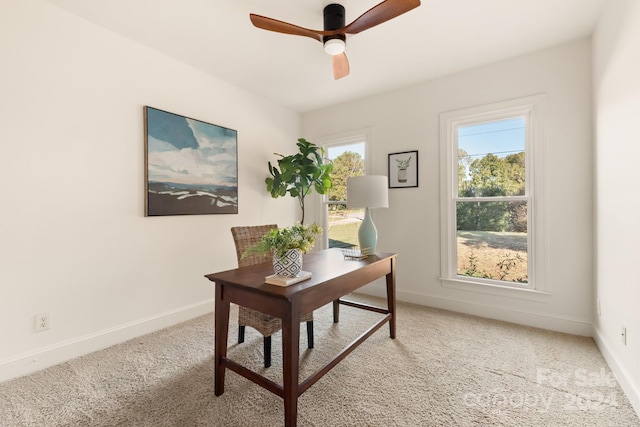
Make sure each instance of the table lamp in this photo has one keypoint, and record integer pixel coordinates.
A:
(368, 192)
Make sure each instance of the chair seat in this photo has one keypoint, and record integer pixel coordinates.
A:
(266, 324)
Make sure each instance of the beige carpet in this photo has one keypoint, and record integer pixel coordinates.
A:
(443, 369)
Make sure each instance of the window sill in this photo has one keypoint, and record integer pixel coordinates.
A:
(497, 290)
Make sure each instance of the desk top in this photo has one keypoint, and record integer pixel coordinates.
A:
(325, 266)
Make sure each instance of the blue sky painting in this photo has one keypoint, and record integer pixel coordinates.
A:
(192, 166)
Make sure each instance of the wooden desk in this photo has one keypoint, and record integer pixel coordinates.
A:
(333, 277)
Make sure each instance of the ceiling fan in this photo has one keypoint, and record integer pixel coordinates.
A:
(335, 31)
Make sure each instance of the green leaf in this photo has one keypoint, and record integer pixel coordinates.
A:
(299, 173)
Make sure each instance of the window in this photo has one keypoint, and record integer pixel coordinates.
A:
(491, 234)
(348, 154)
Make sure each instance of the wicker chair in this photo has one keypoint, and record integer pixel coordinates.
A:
(266, 324)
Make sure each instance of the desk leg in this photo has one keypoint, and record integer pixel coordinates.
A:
(391, 297)
(291, 360)
(221, 335)
(336, 311)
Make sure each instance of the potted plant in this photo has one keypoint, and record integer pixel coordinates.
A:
(288, 245)
(300, 173)
(402, 168)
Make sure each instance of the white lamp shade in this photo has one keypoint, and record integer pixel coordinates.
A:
(367, 191)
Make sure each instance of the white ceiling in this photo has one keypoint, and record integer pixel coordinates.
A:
(440, 37)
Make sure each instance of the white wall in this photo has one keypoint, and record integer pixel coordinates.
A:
(617, 149)
(408, 119)
(74, 241)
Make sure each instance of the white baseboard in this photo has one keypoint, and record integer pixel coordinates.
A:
(541, 320)
(45, 357)
(622, 375)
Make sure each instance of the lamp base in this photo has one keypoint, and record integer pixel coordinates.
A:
(368, 234)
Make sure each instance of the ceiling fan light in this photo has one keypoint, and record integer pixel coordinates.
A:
(334, 46)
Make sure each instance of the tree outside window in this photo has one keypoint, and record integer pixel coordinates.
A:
(491, 203)
(348, 160)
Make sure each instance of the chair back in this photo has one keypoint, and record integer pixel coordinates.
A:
(246, 236)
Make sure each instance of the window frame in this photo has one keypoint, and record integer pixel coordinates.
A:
(346, 138)
(529, 108)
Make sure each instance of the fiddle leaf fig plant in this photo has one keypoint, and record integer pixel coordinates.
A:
(301, 173)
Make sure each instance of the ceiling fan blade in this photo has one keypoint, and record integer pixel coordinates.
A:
(340, 65)
(271, 24)
(380, 13)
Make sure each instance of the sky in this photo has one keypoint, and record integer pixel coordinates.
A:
(501, 138)
(333, 152)
(187, 151)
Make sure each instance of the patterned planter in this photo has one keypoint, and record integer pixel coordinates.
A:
(289, 265)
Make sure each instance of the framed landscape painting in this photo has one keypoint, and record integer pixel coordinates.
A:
(191, 166)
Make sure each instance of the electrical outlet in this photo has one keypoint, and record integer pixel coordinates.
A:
(43, 322)
(623, 335)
